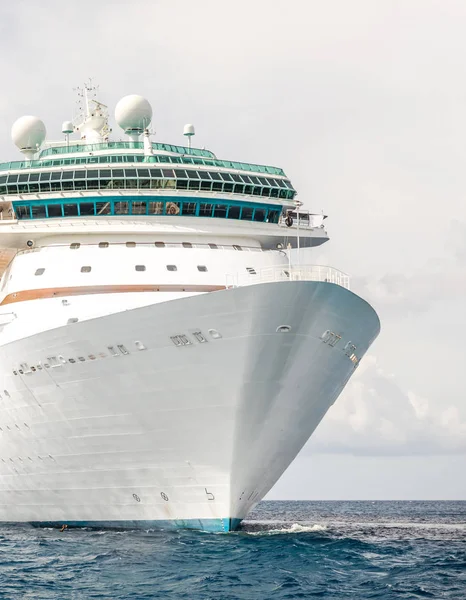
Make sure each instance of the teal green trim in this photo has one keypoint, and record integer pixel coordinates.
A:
(141, 160)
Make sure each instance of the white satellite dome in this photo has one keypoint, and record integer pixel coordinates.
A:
(28, 133)
(133, 114)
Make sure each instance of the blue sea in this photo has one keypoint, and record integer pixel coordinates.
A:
(285, 550)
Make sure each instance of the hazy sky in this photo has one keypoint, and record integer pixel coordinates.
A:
(363, 103)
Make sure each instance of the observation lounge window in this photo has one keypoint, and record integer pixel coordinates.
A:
(205, 210)
(55, 210)
(234, 212)
(39, 212)
(70, 210)
(155, 208)
(189, 208)
(103, 208)
(246, 214)
(87, 208)
(121, 208)
(220, 211)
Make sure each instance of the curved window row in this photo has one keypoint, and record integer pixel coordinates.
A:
(96, 207)
(145, 179)
(140, 158)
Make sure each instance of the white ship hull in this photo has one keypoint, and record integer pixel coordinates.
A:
(165, 435)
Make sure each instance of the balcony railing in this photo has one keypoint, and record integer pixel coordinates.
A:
(287, 273)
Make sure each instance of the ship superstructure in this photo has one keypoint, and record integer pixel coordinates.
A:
(164, 352)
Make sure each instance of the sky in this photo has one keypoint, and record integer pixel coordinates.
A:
(363, 104)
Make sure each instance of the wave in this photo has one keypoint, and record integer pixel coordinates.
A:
(279, 527)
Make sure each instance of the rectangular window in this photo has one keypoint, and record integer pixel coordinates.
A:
(56, 175)
(131, 244)
(205, 210)
(75, 246)
(103, 244)
(202, 268)
(138, 208)
(155, 208)
(103, 208)
(246, 213)
(172, 208)
(168, 173)
(189, 208)
(192, 174)
(70, 210)
(55, 210)
(39, 272)
(159, 244)
(213, 246)
(234, 212)
(80, 175)
(43, 177)
(204, 175)
(87, 208)
(38, 212)
(140, 267)
(86, 269)
(220, 211)
(121, 208)
(259, 214)
(171, 268)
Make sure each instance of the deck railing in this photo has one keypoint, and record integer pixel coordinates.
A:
(287, 273)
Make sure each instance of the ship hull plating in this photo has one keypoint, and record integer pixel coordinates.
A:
(178, 414)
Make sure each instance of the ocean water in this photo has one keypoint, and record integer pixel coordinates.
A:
(285, 550)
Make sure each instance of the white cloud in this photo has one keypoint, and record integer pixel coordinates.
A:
(375, 415)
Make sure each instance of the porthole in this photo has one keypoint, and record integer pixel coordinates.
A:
(202, 268)
(75, 246)
(283, 329)
(81, 358)
(86, 269)
(172, 268)
(103, 244)
(131, 244)
(39, 272)
(140, 267)
(71, 360)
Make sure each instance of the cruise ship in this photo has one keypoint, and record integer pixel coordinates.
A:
(166, 349)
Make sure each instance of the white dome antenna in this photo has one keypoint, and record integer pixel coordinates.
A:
(67, 128)
(188, 131)
(28, 134)
(133, 114)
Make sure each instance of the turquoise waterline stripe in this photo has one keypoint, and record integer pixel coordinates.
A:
(209, 525)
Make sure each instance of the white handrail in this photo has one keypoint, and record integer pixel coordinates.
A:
(287, 273)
